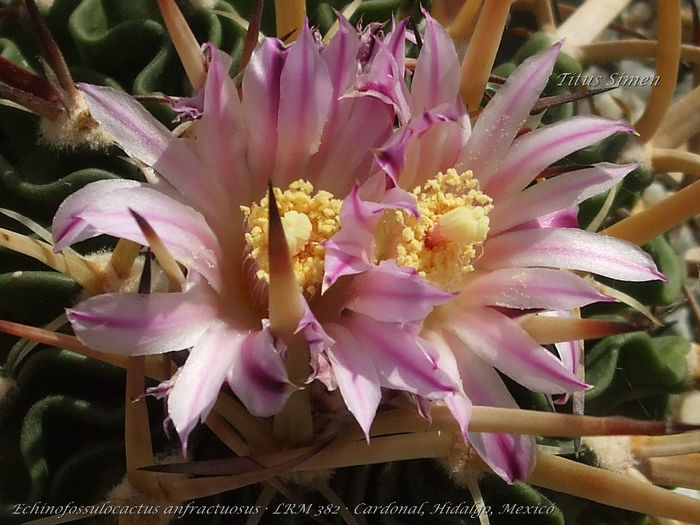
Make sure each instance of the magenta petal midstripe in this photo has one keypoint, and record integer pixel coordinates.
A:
(355, 375)
(503, 344)
(572, 249)
(400, 357)
(305, 99)
(436, 78)
(220, 138)
(503, 116)
(528, 288)
(389, 293)
(562, 191)
(257, 374)
(143, 324)
(104, 207)
(534, 151)
(198, 382)
(261, 85)
(510, 456)
(144, 138)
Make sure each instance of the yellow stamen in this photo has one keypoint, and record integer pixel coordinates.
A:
(308, 220)
(655, 220)
(186, 45)
(445, 238)
(289, 18)
(667, 63)
(478, 62)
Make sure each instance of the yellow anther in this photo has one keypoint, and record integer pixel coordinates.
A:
(309, 220)
(464, 225)
(443, 241)
(297, 230)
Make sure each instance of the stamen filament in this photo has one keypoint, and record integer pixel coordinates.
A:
(655, 220)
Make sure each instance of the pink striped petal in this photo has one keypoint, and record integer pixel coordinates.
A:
(503, 344)
(527, 288)
(198, 382)
(383, 78)
(401, 358)
(534, 151)
(436, 78)
(355, 375)
(406, 149)
(144, 324)
(507, 111)
(103, 207)
(352, 249)
(145, 139)
(555, 194)
(510, 456)
(305, 100)
(389, 293)
(220, 139)
(340, 56)
(258, 375)
(571, 249)
(261, 96)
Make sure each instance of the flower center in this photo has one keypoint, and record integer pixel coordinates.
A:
(442, 242)
(309, 220)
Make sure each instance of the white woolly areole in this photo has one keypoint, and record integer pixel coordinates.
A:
(458, 462)
(74, 127)
(612, 452)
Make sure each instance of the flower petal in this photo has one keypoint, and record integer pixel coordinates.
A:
(261, 95)
(572, 249)
(143, 324)
(355, 375)
(500, 342)
(305, 100)
(220, 137)
(389, 293)
(555, 194)
(527, 288)
(258, 375)
(534, 151)
(511, 456)
(503, 116)
(103, 207)
(142, 137)
(436, 77)
(401, 358)
(198, 382)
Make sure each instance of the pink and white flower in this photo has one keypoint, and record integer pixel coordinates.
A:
(400, 284)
